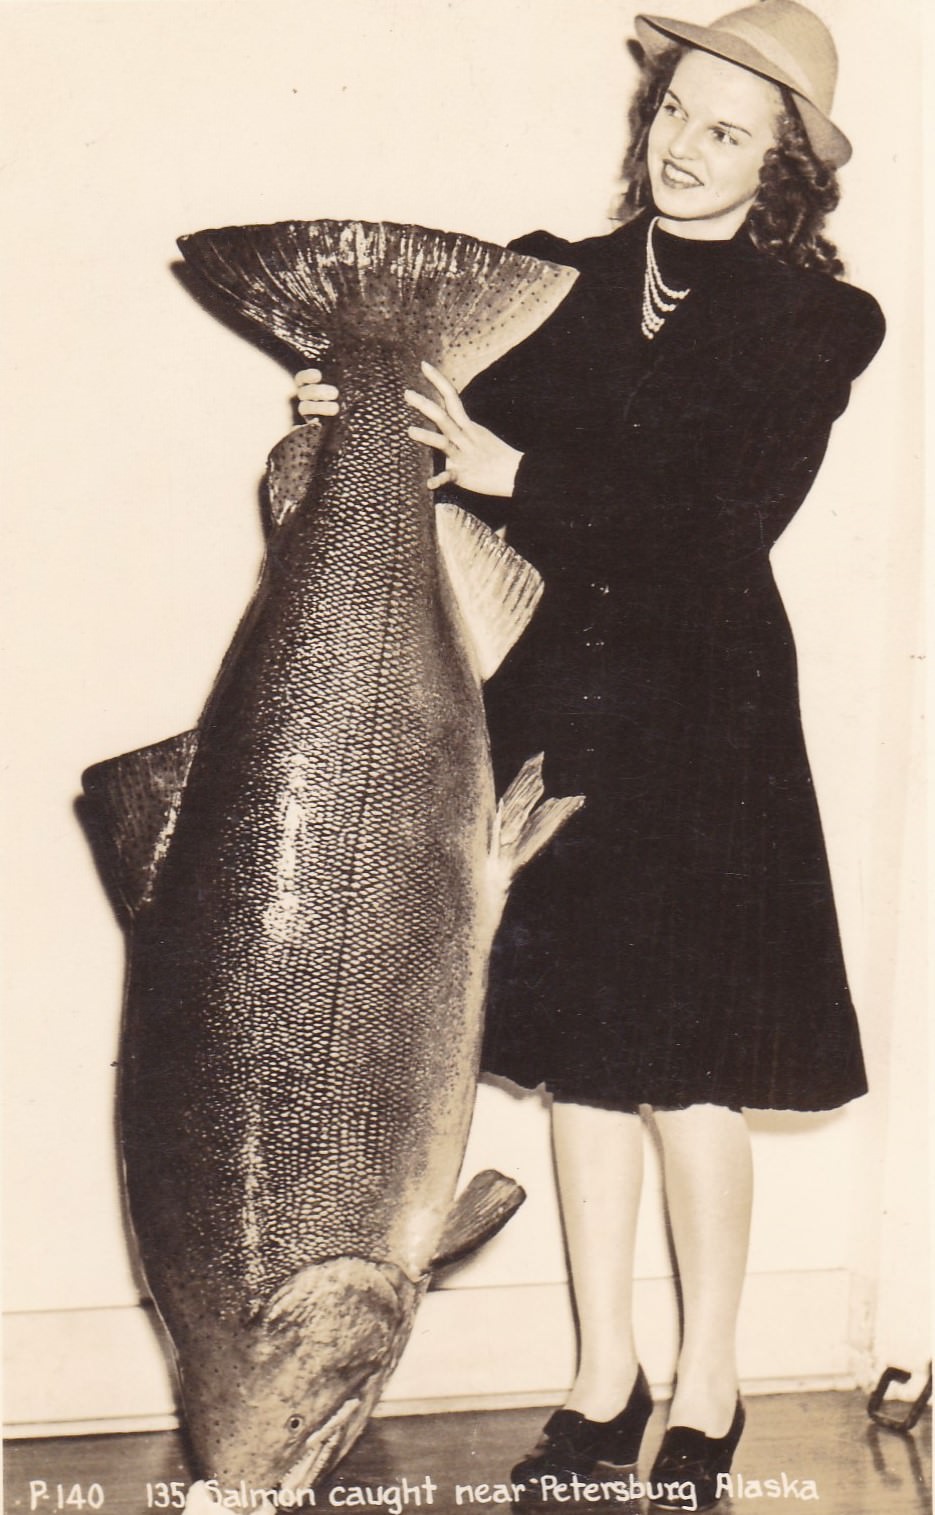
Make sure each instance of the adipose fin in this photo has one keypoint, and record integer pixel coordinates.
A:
(290, 469)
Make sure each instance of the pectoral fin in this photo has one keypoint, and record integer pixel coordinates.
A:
(478, 1214)
(129, 807)
(497, 591)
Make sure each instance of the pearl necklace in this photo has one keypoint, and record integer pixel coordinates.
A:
(658, 299)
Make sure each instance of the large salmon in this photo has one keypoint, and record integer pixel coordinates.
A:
(312, 878)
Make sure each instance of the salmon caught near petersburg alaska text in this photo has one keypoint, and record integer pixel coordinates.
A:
(313, 877)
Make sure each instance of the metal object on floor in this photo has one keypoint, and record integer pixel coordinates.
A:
(901, 1423)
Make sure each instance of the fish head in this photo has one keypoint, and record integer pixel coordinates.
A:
(286, 1398)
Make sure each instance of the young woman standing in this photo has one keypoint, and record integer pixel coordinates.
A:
(677, 946)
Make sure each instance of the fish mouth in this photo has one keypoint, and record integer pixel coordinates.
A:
(318, 1450)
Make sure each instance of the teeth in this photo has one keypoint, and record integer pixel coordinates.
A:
(678, 175)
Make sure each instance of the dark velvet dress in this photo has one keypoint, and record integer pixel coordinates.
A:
(677, 942)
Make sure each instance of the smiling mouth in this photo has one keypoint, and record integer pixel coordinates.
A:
(678, 178)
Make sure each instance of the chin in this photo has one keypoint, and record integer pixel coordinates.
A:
(672, 208)
(673, 212)
(676, 203)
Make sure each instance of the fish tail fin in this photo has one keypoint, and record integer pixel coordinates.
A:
(129, 808)
(477, 1214)
(459, 302)
(497, 590)
(526, 822)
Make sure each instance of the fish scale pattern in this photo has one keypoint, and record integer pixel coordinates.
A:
(321, 937)
(307, 962)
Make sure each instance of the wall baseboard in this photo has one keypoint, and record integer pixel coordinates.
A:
(96, 1371)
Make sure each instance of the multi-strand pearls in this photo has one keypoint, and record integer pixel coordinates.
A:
(658, 299)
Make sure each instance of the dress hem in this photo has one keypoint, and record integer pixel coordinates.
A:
(563, 1095)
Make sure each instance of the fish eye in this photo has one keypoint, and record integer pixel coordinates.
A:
(294, 1423)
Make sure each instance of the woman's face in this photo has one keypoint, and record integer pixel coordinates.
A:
(707, 143)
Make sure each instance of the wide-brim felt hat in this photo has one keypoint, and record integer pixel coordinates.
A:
(779, 39)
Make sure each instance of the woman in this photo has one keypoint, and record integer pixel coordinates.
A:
(677, 945)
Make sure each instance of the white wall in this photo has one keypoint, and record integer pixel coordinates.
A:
(136, 427)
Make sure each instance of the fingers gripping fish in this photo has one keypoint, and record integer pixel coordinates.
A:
(312, 879)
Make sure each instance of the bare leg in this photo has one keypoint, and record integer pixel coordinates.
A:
(709, 1187)
(599, 1163)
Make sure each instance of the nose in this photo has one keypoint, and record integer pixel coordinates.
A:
(682, 142)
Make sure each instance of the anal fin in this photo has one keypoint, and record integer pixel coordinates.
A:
(497, 591)
(129, 807)
(477, 1214)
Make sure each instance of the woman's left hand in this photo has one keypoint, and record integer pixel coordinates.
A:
(476, 459)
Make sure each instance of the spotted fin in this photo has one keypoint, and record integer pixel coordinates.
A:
(440, 295)
(129, 808)
(290, 469)
(497, 591)
(477, 1214)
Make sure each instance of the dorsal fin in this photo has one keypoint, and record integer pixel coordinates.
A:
(450, 298)
(497, 590)
(290, 469)
(130, 807)
(477, 1214)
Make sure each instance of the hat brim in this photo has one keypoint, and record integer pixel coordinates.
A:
(657, 32)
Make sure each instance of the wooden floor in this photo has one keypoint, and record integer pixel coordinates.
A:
(854, 1467)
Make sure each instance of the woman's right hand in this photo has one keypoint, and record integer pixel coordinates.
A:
(315, 398)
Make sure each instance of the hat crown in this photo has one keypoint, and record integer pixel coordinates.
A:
(780, 39)
(791, 38)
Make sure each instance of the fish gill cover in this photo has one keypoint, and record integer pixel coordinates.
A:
(457, 301)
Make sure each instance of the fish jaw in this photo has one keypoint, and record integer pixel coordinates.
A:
(276, 1403)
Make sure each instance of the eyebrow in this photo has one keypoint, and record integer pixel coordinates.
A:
(733, 126)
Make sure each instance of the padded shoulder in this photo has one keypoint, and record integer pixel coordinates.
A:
(543, 244)
(844, 322)
(590, 253)
(861, 324)
(805, 317)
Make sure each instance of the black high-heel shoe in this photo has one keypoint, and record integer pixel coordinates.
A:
(690, 1458)
(570, 1444)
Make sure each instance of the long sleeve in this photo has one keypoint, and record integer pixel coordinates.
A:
(716, 474)
(680, 944)
(697, 451)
